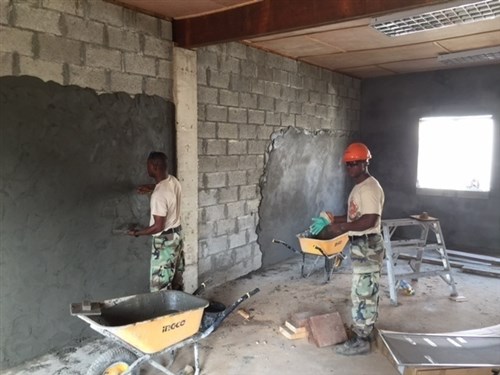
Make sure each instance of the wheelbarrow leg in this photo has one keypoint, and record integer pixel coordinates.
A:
(328, 268)
(196, 359)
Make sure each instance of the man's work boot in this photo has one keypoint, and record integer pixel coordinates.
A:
(354, 346)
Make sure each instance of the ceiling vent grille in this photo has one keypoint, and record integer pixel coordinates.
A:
(430, 18)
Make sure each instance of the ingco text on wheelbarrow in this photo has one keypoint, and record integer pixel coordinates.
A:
(150, 324)
(331, 250)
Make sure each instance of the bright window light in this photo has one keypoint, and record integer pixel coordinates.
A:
(455, 153)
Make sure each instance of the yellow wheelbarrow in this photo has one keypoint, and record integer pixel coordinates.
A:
(329, 250)
(146, 325)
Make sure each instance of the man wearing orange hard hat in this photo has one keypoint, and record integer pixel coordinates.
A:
(362, 223)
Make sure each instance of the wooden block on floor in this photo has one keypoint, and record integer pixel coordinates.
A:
(289, 334)
(327, 329)
(293, 328)
(299, 319)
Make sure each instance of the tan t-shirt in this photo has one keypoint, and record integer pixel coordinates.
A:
(366, 197)
(166, 201)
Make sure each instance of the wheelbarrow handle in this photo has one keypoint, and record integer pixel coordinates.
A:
(202, 286)
(286, 245)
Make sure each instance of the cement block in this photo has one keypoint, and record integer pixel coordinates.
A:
(103, 57)
(257, 147)
(241, 84)
(88, 77)
(123, 39)
(64, 6)
(106, 12)
(257, 87)
(264, 73)
(147, 24)
(253, 176)
(272, 89)
(237, 240)
(137, 64)
(206, 129)
(5, 8)
(227, 130)
(236, 147)
(229, 64)
(248, 68)
(225, 226)
(228, 194)
(216, 113)
(165, 69)
(6, 61)
(84, 30)
(45, 70)
(213, 245)
(247, 131)
(15, 40)
(157, 47)
(166, 29)
(57, 49)
(248, 192)
(236, 209)
(128, 83)
(246, 221)
(207, 59)
(236, 178)
(327, 329)
(218, 79)
(208, 95)
(273, 118)
(237, 50)
(247, 162)
(160, 87)
(228, 98)
(256, 116)
(214, 180)
(264, 132)
(227, 163)
(266, 103)
(216, 147)
(31, 18)
(207, 164)
(207, 197)
(238, 115)
(213, 213)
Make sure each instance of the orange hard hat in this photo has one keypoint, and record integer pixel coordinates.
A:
(355, 152)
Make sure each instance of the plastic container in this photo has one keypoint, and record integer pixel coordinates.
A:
(405, 288)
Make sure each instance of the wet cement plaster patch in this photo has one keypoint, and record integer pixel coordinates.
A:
(303, 175)
(70, 160)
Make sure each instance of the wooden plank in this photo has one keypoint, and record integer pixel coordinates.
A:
(274, 16)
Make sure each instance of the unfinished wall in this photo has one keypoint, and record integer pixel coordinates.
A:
(391, 109)
(244, 96)
(70, 160)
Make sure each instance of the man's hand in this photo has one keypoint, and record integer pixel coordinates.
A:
(146, 189)
(132, 232)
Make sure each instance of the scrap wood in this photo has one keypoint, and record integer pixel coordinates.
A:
(289, 334)
(244, 314)
(293, 328)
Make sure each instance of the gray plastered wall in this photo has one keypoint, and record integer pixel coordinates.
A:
(391, 109)
(73, 149)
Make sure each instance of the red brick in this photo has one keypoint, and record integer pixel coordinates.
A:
(327, 329)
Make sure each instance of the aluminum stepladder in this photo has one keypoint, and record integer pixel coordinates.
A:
(420, 245)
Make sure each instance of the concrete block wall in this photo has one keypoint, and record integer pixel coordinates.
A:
(88, 43)
(246, 95)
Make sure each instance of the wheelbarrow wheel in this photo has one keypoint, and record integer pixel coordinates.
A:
(113, 362)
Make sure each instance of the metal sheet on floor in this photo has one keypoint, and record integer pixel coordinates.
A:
(449, 350)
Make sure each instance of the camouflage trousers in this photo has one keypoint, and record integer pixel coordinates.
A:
(167, 262)
(367, 255)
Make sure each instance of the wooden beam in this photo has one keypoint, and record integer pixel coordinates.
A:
(276, 16)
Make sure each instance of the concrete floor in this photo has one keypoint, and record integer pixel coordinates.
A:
(256, 346)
